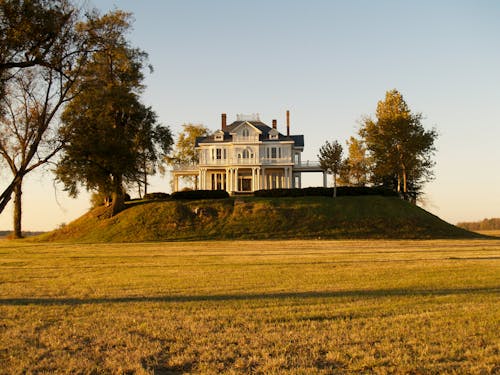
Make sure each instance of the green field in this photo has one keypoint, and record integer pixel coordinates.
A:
(292, 307)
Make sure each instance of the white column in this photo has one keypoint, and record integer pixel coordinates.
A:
(324, 180)
(236, 179)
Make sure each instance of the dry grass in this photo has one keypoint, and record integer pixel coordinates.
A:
(490, 232)
(296, 307)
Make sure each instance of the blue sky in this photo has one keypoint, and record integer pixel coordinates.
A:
(329, 63)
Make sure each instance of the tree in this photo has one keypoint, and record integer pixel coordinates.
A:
(39, 64)
(184, 151)
(107, 146)
(330, 160)
(154, 143)
(355, 166)
(399, 147)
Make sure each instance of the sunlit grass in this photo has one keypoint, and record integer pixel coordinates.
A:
(300, 307)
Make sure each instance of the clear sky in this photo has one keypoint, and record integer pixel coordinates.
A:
(329, 63)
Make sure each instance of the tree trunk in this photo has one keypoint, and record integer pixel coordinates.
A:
(405, 189)
(17, 211)
(117, 197)
(334, 185)
(7, 193)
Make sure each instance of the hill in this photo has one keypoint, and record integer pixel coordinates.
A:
(360, 217)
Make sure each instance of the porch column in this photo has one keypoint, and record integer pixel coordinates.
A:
(236, 182)
(176, 182)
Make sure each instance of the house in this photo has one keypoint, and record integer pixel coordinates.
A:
(247, 155)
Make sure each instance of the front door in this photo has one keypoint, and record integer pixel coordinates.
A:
(246, 184)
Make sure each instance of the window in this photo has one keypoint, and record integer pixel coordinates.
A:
(274, 153)
(219, 137)
(247, 154)
(218, 153)
(246, 133)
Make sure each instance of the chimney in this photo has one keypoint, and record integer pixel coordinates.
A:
(224, 123)
(287, 123)
(275, 124)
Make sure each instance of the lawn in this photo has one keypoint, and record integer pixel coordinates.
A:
(291, 307)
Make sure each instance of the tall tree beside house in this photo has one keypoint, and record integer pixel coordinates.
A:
(184, 151)
(104, 125)
(399, 148)
(330, 160)
(354, 171)
(154, 143)
(40, 62)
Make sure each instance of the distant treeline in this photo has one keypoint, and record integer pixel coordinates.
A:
(485, 224)
(5, 233)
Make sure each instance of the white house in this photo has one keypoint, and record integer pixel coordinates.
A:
(247, 155)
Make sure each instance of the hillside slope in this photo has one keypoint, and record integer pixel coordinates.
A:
(260, 218)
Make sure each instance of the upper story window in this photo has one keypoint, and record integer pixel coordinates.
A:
(246, 133)
(274, 152)
(219, 153)
(247, 154)
(273, 136)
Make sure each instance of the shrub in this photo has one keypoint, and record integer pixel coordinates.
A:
(326, 192)
(156, 196)
(200, 194)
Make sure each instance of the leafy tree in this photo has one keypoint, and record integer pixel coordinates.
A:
(39, 64)
(355, 167)
(154, 143)
(106, 127)
(184, 151)
(399, 147)
(330, 160)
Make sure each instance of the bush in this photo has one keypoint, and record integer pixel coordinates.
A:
(200, 194)
(326, 192)
(156, 196)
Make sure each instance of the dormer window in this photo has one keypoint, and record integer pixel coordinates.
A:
(219, 137)
(273, 134)
(246, 133)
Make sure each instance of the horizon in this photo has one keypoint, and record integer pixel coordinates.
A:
(329, 63)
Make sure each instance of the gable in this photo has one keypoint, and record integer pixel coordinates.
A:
(238, 129)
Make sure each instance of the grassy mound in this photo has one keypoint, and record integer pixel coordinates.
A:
(260, 218)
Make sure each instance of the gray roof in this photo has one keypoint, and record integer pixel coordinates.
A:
(264, 137)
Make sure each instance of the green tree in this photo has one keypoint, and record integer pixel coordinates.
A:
(330, 160)
(104, 125)
(185, 152)
(400, 149)
(355, 168)
(154, 143)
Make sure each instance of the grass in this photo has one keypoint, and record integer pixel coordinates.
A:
(266, 307)
(261, 218)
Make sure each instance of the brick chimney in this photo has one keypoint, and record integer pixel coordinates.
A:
(275, 124)
(224, 122)
(287, 123)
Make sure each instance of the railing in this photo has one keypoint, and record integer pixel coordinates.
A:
(249, 139)
(246, 161)
(307, 163)
(185, 167)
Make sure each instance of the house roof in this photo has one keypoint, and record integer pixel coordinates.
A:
(264, 136)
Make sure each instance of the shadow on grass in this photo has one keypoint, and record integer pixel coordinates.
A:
(370, 293)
